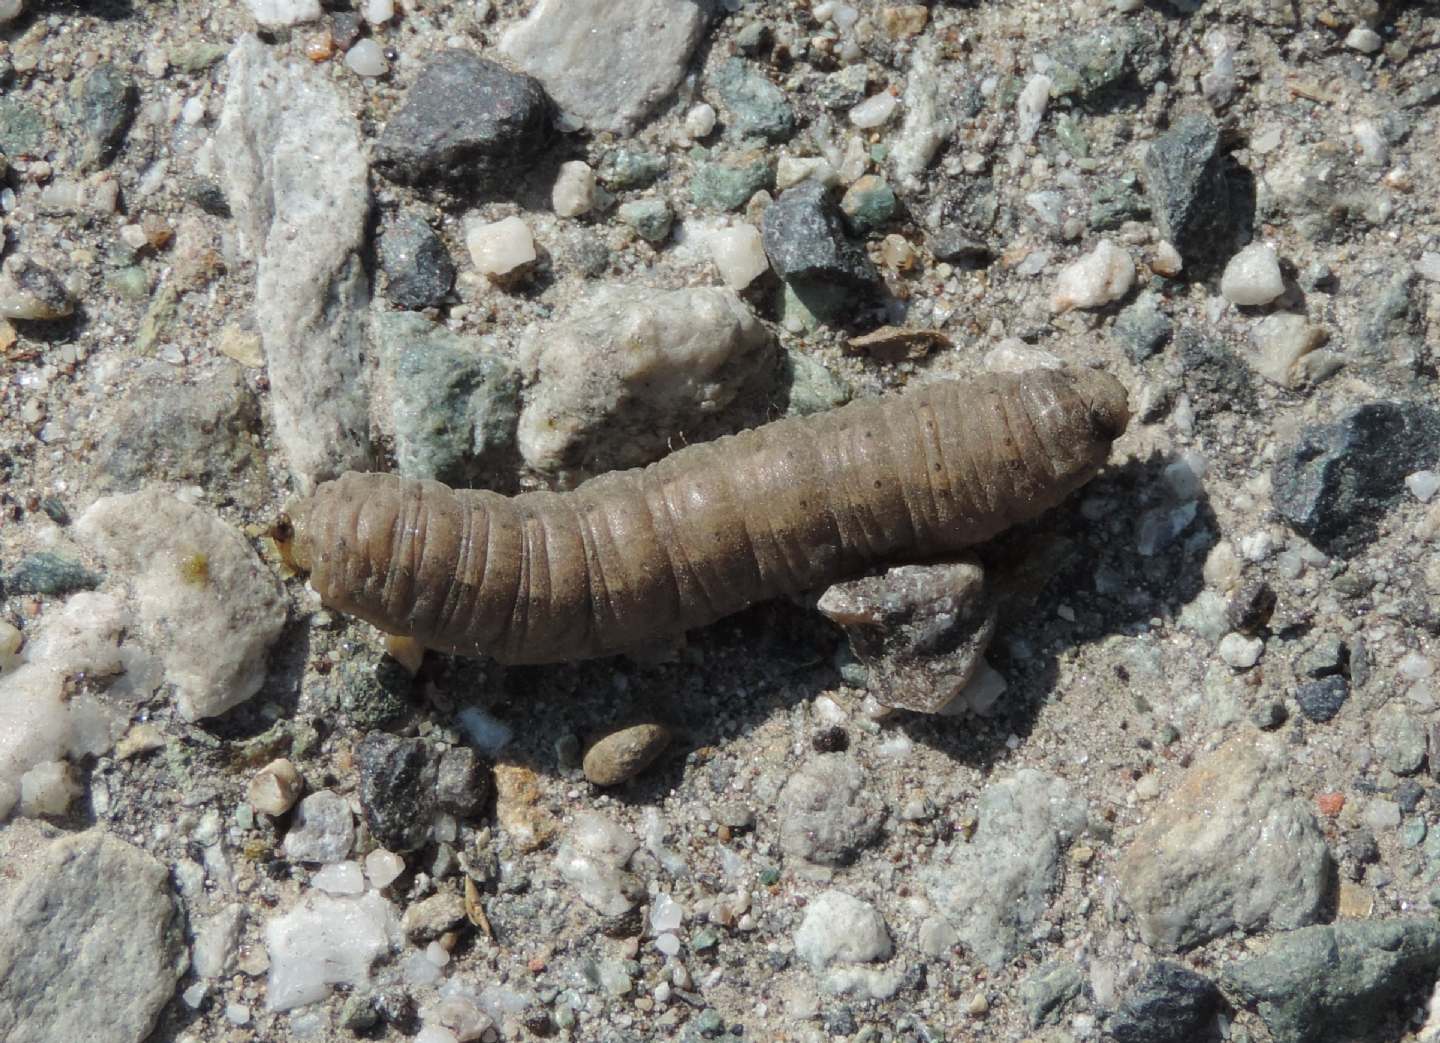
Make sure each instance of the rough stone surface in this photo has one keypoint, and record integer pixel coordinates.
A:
(48, 573)
(295, 175)
(1322, 699)
(462, 784)
(418, 269)
(322, 831)
(205, 602)
(92, 944)
(326, 941)
(1335, 482)
(827, 812)
(454, 402)
(756, 106)
(571, 46)
(615, 384)
(1168, 1004)
(840, 928)
(995, 887)
(1186, 185)
(593, 857)
(805, 240)
(1230, 846)
(1047, 990)
(1334, 981)
(397, 789)
(105, 107)
(466, 122)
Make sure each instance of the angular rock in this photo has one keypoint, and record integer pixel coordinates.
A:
(462, 784)
(593, 857)
(961, 225)
(1168, 1004)
(206, 603)
(995, 887)
(418, 269)
(431, 917)
(323, 830)
(757, 107)
(105, 104)
(92, 944)
(608, 65)
(1337, 981)
(1046, 991)
(454, 404)
(48, 573)
(727, 181)
(325, 941)
(294, 172)
(805, 240)
(827, 812)
(1338, 479)
(840, 928)
(468, 123)
(1231, 846)
(1321, 700)
(397, 789)
(1142, 327)
(921, 630)
(929, 120)
(615, 384)
(1190, 197)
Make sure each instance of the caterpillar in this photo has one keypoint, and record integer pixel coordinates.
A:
(632, 556)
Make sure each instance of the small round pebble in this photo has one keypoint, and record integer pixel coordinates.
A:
(623, 754)
(1367, 41)
(367, 58)
(1252, 277)
(739, 254)
(1241, 652)
(382, 867)
(275, 788)
(1101, 277)
(500, 247)
(874, 111)
(700, 120)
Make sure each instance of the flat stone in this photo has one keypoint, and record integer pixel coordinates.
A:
(468, 123)
(326, 941)
(91, 944)
(728, 179)
(827, 812)
(608, 65)
(1230, 846)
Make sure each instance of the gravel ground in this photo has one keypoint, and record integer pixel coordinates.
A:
(1188, 794)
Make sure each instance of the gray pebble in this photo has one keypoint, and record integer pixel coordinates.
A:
(322, 830)
(397, 789)
(418, 269)
(805, 240)
(827, 811)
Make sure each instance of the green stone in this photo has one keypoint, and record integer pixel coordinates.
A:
(1412, 832)
(129, 282)
(22, 131)
(49, 574)
(812, 387)
(651, 218)
(769, 876)
(624, 168)
(757, 107)
(706, 938)
(868, 204)
(728, 183)
(1072, 139)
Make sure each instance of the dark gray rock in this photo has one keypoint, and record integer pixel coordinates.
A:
(1169, 1004)
(804, 237)
(1217, 379)
(1325, 656)
(1090, 65)
(961, 225)
(1048, 989)
(48, 573)
(467, 122)
(418, 269)
(105, 105)
(1142, 327)
(92, 945)
(1339, 982)
(757, 107)
(372, 694)
(1321, 700)
(397, 789)
(462, 785)
(1336, 481)
(455, 405)
(1190, 196)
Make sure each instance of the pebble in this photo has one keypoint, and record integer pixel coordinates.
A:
(466, 122)
(1142, 327)
(614, 384)
(573, 47)
(47, 789)
(1423, 485)
(791, 170)
(700, 120)
(1398, 738)
(278, 14)
(10, 10)
(1101, 277)
(217, 941)
(1366, 41)
(418, 270)
(1287, 345)
(203, 600)
(574, 191)
(517, 808)
(1322, 699)
(1335, 481)
(383, 868)
(1045, 991)
(805, 240)
(95, 889)
(50, 574)
(622, 168)
(997, 885)
(462, 783)
(30, 291)
(106, 107)
(840, 928)
(757, 108)
(875, 111)
(322, 830)
(378, 12)
(593, 858)
(728, 180)
(274, 789)
(1240, 652)
(367, 58)
(500, 247)
(397, 789)
(324, 941)
(1186, 186)
(429, 918)
(827, 812)
(1252, 277)
(339, 878)
(739, 254)
(1030, 107)
(1168, 1003)
(651, 218)
(1229, 846)
(621, 755)
(295, 173)
(868, 204)
(1332, 981)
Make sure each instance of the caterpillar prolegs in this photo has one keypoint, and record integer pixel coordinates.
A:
(636, 555)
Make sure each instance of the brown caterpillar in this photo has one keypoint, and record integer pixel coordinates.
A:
(635, 555)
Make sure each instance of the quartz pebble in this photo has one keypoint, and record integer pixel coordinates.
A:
(1101, 277)
(739, 254)
(593, 858)
(274, 788)
(574, 191)
(840, 928)
(875, 110)
(277, 14)
(1253, 276)
(700, 120)
(383, 867)
(340, 878)
(323, 830)
(366, 58)
(1241, 652)
(325, 941)
(1367, 41)
(1423, 485)
(500, 247)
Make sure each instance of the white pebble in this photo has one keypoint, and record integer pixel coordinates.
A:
(739, 254)
(666, 914)
(1423, 485)
(382, 867)
(10, 10)
(1240, 652)
(378, 12)
(277, 14)
(1365, 40)
(1374, 149)
(500, 247)
(1148, 788)
(1428, 267)
(874, 110)
(436, 1034)
(574, 191)
(1415, 667)
(700, 120)
(366, 58)
(47, 789)
(340, 878)
(237, 1013)
(274, 788)
(193, 111)
(1381, 814)
(1102, 276)
(1252, 277)
(791, 170)
(1030, 107)
(668, 944)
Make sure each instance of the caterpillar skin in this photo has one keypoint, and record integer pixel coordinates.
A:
(632, 556)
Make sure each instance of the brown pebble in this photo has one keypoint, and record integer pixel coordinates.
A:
(623, 754)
